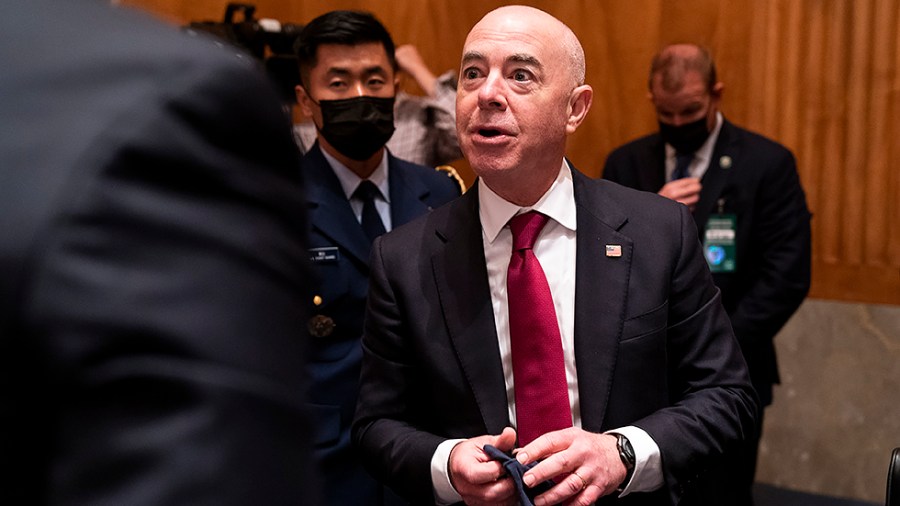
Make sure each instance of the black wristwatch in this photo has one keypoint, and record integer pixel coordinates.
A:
(626, 453)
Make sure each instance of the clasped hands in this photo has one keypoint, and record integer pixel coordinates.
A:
(585, 466)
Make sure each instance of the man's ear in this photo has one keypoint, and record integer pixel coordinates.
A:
(304, 100)
(579, 105)
(717, 90)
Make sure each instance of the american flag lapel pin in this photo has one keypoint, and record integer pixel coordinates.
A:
(613, 250)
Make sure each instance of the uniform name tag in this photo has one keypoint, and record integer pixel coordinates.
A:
(719, 243)
(324, 255)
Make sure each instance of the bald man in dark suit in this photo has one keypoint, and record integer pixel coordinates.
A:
(649, 383)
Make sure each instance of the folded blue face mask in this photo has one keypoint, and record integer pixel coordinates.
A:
(516, 470)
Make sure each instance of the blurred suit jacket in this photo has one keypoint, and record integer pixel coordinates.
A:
(154, 268)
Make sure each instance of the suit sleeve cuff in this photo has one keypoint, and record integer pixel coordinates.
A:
(648, 475)
(444, 493)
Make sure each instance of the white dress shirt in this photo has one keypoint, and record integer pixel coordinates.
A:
(555, 249)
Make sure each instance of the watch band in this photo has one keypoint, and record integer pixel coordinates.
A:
(626, 453)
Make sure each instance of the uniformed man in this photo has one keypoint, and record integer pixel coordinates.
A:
(357, 190)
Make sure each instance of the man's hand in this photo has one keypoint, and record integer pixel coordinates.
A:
(477, 478)
(685, 190)
(585, 466)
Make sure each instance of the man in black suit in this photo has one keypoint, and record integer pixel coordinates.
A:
(348, 84)
(747, 202)
(154, 270)
(649, 384)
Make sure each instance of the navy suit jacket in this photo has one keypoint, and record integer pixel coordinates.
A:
(653, 346)
(154, 273)
(340, 262)
(758, 182)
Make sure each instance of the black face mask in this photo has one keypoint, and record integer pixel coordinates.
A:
(357, 127)
(685, 138)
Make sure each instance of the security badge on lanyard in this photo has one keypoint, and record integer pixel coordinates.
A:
(719, 241)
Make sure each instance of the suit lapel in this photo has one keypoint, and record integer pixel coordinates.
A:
(599, 276)
(329, 210)
(654, 176)
(466, 304)
(408, 193)
(717, 174)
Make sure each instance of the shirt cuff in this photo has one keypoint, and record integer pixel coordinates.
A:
(444, 493)
(647, 475)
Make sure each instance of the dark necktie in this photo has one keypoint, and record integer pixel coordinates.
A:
(539, 375)
(371, 220)
(682, 163)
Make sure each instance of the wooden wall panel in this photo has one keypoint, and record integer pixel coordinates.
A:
(820, 76)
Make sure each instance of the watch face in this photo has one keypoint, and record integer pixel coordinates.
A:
(626, 452)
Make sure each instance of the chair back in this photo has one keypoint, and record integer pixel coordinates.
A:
(893, 480)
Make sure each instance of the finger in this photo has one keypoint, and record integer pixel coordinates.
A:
(566, 489)
(486, 473)
(473, 480)
(677, 189)
(469, 465)
(694, 193)
(555, 467)
(690, 200)
(685, 187)
(506, 441)
(546, 445)
(499, 492)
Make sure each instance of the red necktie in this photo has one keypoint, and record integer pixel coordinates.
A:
(542, 396)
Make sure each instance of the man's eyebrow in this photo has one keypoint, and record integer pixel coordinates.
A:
(521, 58)
(471, 56)
(375, 69)
(337, 71)
(526, 59)
(343, 71)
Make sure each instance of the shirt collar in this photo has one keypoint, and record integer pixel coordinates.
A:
(558, 203)
(349, 180)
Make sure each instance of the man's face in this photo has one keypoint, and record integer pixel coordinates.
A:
(343, 71)
(690, 103)
(512, 105)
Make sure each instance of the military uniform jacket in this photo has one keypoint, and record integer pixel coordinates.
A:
(339, 254)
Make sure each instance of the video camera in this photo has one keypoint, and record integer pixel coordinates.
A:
(269, 40)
